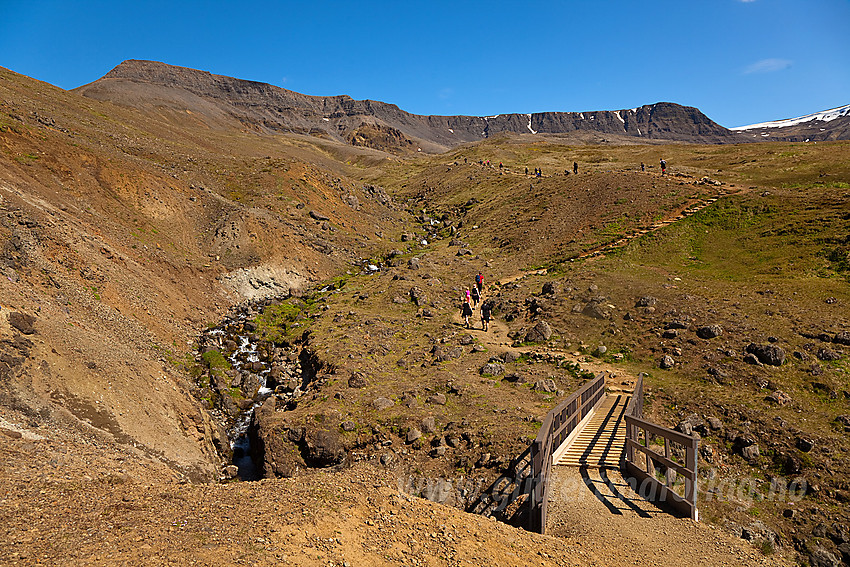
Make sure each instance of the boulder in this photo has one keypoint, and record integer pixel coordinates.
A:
(823, 558)
(646, 301)
(318, 216)
(692, 424)
(429, 425)
(413, 434)
(714, 423)
(547, 385)
(511, 356)
(539, 333)
(779, 398)
(842, 338)
(844, 421)
(413, 263)
(767, 354)
(436, 399)
(825, 353)
(550, 288)
(492, 369)
(348, 425)
(323, 448)
(357, 380)
(22, 322)
(666, 362)
(804, 444)
(594, 311)
(750, 452)
(709, 331)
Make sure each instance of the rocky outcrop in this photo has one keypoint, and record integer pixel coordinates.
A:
(377, 124)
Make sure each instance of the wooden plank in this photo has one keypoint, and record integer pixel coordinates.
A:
(673, 435)
(670, 464)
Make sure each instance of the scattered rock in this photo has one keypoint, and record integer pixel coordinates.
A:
(386, 458)
(823, 558)
(842, 338)
(318, 216)
(750, 453)
(348, 425)
(714, 423)
(22, 322)
(550, 288)
(600, 350)
(357, 380)
(646, 301)
(382, 403)
(666, 362)
(539, 333)
(767, 354)
(804, 444)
(413, 264)
(547, 385)
(709, 331)
(429, 425)
(510, 356)
(827, 354)
(436, 399)
(467, 340)
(594, 311)
(413, 434)
(670, 334)
(750, 358)
(492, 369)
(779, 398)
(692, 424)
(844, 420)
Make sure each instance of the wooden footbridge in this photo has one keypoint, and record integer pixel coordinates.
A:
(601, 427)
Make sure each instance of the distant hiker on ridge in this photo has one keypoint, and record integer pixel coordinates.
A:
(575, 167)
(642, 166)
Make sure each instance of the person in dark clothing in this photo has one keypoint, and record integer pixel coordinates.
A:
(466, 311)
(476, 296)
(479, 283)
(485, 315)
(526, 171)
(642, 166)
(575, 167)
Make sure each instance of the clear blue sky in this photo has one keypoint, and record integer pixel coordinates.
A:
(740, 62)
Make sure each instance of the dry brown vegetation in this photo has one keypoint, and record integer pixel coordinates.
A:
(124, 235)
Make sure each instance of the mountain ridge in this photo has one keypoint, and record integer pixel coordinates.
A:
(270, 108)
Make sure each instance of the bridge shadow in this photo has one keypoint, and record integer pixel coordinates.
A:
(616, 495)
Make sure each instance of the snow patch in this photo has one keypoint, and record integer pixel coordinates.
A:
(326, 119)
(452, 131)
(581, 114)
(491, 117)
(529, 124)
(617, 114)
(825, 116)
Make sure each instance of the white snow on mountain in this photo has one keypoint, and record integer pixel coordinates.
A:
(824, 116)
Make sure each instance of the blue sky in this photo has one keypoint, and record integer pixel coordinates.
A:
(740, 62)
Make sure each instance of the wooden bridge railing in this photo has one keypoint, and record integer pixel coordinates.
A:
(644, 473)
(557, 426)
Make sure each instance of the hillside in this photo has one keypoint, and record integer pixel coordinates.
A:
(187, 95)
(833, 124)
(171, 262)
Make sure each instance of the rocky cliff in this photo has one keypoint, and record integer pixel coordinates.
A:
(266, 107)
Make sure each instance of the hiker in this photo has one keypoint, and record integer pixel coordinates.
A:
(467, 297)
(476, 296)
(466, 311)
(642, 166)
(526, 170)
(575, 167)
(500, 165)
(539, 172)
(663, 167)
(485, 315)
(479, 283)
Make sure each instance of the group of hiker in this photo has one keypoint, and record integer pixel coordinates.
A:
(470, 301)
